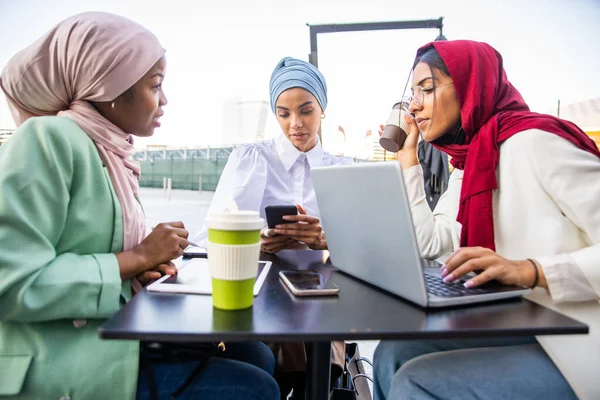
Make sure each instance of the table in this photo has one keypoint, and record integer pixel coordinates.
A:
(360, 312)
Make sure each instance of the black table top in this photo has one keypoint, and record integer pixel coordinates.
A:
(360, 312)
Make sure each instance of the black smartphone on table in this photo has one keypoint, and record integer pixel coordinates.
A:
(308, 283)
(275, 214)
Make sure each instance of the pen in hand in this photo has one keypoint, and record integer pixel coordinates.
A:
(189, 242)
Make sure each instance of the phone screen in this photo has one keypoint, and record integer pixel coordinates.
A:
(274, 214)
(308, 280)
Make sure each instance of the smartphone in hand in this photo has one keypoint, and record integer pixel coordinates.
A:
(308, 283)
(274, 214)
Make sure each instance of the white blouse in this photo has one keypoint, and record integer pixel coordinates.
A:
(271, 172)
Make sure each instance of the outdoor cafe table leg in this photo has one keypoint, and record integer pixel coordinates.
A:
(318, 371)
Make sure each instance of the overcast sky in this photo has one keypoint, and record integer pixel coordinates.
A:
(219, 49)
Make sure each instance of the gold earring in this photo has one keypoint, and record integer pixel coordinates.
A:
(323, 116)
(112, 105)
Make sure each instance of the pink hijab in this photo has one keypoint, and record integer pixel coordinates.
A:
(93, 56)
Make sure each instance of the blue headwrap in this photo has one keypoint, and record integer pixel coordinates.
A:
(291, 73)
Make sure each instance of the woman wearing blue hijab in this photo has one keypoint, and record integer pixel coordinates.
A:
(277, 171)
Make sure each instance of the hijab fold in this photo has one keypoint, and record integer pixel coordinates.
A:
(291, 73)
(92, 56)
(491, 111)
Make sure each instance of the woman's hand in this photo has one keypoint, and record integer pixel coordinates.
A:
(306, 229)
(270, 242)
(490, 265)
(148, 277)
(165, 243)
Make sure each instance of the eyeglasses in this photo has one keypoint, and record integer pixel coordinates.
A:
(418, 92)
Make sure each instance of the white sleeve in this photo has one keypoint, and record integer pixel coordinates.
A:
(566, 281)
(243, 180)
(571, 177)
(437, 231)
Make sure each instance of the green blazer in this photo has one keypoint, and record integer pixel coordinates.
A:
(60, 225)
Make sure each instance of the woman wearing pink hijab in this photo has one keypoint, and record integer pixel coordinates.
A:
(72, 228)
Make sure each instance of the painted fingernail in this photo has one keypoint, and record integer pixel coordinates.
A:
(449, 278)
(444, 272)
(469, 284)
(278, 226)
(286, 217)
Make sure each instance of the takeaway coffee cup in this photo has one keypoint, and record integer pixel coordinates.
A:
(395, 130)
(233, 253)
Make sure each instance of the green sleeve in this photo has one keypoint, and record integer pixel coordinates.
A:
(37, 169)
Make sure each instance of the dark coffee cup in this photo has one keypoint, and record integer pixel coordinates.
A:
(395, 130)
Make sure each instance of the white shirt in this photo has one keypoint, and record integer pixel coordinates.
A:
(271, 172)
(547, 207)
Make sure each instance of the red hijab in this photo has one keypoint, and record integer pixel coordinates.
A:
(491, 111)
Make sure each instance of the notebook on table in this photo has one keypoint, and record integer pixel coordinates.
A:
(193, 277)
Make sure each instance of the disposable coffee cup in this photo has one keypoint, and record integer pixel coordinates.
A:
(395, 131)
(233, 251)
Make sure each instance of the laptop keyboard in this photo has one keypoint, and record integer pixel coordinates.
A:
(435, 285)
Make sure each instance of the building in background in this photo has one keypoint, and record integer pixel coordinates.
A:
(374, 151)
(244, 121)
(585, 114)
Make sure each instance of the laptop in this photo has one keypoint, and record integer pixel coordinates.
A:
(366, 217)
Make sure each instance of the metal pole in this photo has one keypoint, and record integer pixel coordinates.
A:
(192, 177)
(314, 30)
(171, 167)
(318, 370)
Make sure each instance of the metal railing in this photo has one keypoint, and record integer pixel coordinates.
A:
(190, 168)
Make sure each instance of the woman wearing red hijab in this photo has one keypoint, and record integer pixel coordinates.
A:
(522, 208)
